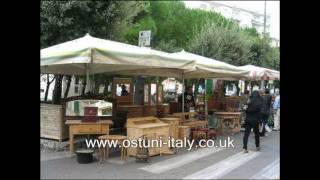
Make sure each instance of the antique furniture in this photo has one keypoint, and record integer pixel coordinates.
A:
(174, 107)
(183, 116)
(198, 135)
(52, 124)
(153, 94)
(144, 110)
(212, 134)
(142, 154)
(77, 127)
(151, 127)
(104, 152)
(174, 123)
(229, 122)
(122, 91)
(184, 132)
(195, 123)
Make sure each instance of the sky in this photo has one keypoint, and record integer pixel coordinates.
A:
(273, 9)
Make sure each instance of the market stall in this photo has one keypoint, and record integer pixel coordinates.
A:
(89, 55)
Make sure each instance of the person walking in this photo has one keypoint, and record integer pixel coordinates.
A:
(243, 106)
(253, 116)
(276, 111)
(265, 110)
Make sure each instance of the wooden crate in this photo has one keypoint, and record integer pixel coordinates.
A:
(52, 124)
(184, 131)
(174, 123)
(151, 127)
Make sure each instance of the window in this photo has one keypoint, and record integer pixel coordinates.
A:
(41, 90)
(123, 89)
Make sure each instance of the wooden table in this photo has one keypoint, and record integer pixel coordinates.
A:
(228, 122)
(77, 127)
(105, 150)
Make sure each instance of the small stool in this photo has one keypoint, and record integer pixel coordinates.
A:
(212, 134)
(199, 134)
(105, 151)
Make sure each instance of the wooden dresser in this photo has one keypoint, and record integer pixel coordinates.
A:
(153, 129)
(174, 123)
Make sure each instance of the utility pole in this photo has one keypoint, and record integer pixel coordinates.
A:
(265, 18)
(264, 33)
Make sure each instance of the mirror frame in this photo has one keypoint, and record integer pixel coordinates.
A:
(64, 102)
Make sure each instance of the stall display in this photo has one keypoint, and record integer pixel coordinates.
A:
(152, 128)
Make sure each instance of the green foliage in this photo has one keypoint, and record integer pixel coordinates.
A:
(219, 43)
(146, 23)
(67, 20)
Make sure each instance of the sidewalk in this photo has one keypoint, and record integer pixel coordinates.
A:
(228, 163)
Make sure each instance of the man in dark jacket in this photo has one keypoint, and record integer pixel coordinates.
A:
(253, 117)
(265, 110)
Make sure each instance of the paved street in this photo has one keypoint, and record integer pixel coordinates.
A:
(200, 163)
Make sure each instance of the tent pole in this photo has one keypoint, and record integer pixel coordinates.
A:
(205, 98)
(183, 89)
(88, 81)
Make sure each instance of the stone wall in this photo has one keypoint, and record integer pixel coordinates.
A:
(52, 125)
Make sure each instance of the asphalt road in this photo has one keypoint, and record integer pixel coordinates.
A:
(199, 163)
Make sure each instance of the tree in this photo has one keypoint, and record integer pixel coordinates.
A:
(68, 78)
(222, 44)
(48, 83)
(67, 20)
(56, 96)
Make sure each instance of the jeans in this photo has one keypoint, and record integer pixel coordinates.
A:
(264, 119)
(248, 126)
(277, 119)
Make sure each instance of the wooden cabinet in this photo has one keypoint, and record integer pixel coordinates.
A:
(153, 129)
(174, 123)
(184, 132)
(122, 91)
(228, 122)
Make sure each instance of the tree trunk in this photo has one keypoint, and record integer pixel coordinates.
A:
(69, 78)
(105, 90)
(96, 87)
(48, 86)
(56, 99)
(84, 86)
(46, 93)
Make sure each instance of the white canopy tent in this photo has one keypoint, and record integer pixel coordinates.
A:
(210, 68)
(260, 73)
(89, 55)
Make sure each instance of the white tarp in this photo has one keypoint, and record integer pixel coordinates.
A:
(260, 73)
(210, 68)
(93, 55)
